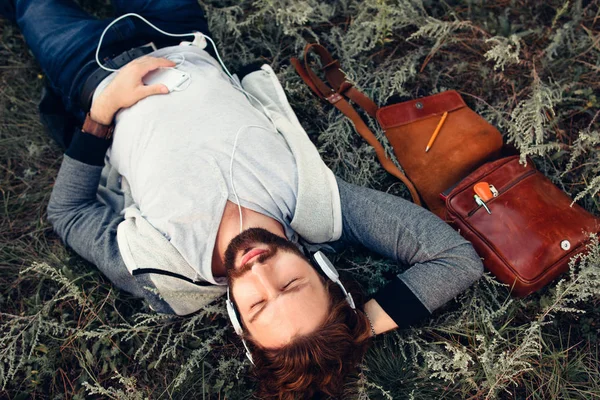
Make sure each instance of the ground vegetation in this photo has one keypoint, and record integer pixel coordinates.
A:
(531, 68)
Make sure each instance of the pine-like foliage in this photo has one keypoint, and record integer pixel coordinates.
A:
(504, 50)
(530, 120)
(529, 67)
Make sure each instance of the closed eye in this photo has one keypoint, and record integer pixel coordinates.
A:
(285, 287)
(296, 288)
(289, 283)
(257, 303)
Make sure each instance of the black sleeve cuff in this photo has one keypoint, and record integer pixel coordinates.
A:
(401, 304)
(248, 69)
(87, 148)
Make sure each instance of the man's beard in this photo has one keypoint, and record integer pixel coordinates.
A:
(250, 238)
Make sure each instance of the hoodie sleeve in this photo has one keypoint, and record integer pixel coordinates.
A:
(441, 263)
(87, 225)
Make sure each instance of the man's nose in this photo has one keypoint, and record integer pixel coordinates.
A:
(264, 275)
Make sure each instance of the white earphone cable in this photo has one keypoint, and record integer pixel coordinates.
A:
(198, 36)
(237, 199)
(195, 34)
(265, 111)
(125, 16)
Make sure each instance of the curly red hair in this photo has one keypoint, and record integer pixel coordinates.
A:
(316, 363)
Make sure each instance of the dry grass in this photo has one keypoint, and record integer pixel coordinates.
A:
(86, 330)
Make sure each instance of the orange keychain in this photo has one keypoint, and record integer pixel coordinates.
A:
(483, 190)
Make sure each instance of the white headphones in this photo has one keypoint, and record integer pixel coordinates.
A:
(327, 268)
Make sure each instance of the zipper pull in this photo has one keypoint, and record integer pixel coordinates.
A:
(481, 203)
(484, 191)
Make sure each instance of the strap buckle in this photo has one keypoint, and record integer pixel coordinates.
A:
(334, 97)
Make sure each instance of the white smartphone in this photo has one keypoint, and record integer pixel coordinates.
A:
(172, 78)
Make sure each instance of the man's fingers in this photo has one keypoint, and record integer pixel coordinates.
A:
(150, 59)
(150, 90)
(148, 64)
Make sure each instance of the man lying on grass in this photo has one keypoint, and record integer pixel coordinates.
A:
(214, 185)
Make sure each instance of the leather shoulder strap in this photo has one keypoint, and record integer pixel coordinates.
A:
(334, 76)
(337, 79)
(344, 106)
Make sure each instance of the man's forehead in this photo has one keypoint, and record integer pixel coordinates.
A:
(291, 317)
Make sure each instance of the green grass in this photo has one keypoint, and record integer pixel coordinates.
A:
(65, 332)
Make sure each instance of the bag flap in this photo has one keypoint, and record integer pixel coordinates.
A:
(414, 110)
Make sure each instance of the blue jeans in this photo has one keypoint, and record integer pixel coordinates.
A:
(64, 38)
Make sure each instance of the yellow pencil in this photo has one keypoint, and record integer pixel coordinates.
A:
(437, 130)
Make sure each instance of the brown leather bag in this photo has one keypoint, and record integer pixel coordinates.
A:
(464, 142)
(533, 230)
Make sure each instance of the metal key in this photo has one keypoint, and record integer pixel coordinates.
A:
(494, 191)
(481, 203)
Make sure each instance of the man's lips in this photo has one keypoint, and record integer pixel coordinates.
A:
(251, 254)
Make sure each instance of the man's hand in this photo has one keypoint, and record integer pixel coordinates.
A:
(127, 88)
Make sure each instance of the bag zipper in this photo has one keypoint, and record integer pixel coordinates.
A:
(504, 190)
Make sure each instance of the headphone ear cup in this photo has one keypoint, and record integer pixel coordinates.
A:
(326, 266)
(233, 317)
(329, 270)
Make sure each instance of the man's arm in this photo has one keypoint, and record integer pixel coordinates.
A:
(84, 223)
(442, 263)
